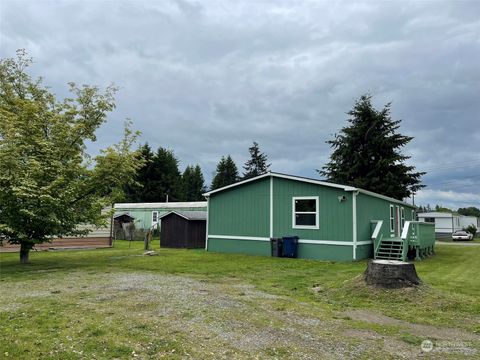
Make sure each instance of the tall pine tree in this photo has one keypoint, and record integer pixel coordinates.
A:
(257, 164)
(142, 189)
(167, 178)
(366, 153)
(225, 174)
(193, 184)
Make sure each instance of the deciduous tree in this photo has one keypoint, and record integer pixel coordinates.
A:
(49, 184)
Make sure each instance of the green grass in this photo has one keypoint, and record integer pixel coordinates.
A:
(32, 326)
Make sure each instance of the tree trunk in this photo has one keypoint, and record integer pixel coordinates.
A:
(391, 274)
(25, 248)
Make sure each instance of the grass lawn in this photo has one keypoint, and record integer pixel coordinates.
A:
(117, 304)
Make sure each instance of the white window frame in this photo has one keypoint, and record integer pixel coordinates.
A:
(392, 218)
(317, 222)
(402, 218)
(413, 215)
(156, 213)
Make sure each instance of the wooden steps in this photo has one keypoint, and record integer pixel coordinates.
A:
(390, 249)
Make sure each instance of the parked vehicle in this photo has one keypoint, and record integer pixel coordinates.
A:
(461, 235)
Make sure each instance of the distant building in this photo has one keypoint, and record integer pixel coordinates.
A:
(448, 223)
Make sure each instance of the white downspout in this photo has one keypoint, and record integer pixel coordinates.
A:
(206, 232)
(271, 206)
(354, 223)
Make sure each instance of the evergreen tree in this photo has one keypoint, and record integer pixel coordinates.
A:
(142, 190)
(193, 184)
(257, 164)
(366, 154)
(225, 174)
(166, 178)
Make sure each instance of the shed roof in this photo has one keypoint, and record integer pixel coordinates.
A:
(164, 205)
(311, 181)
(123, 214)
(437, 214)
(189, 215)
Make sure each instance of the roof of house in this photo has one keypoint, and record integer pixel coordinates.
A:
(123, 214)
(436, 214)
(311, 181)
(162, 205)
(189, 215)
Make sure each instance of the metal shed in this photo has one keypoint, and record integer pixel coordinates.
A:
(183, 229)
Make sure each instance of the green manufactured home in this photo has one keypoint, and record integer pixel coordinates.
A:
(333, 222)
(147, 215)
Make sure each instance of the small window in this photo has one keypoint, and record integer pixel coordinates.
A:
(392, 219)
(413, 216)
(430, 219)
(305, 212)
(402, 217)
(154, 217)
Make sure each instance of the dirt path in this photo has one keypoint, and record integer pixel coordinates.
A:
(224, 320)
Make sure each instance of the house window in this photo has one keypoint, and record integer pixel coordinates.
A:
(413, 215)
(392, 219)
(430, 219)
(402, 217)
(305, 212)
(154, 217)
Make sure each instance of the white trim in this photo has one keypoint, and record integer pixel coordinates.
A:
(156, 215)
(378, 226)
(354, 223)
(405, 229)
(282, 176)
(234, 237)
(317, 218)
(206, 226)
(397, 221)
(304, 241)
(172, 212)
(271, 206)
(157, 206)
(391, 217)
(310, 181)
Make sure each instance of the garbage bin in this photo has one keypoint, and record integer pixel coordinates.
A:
(290, 246)
(276, 244)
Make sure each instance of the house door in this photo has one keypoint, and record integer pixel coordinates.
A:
(398, 229)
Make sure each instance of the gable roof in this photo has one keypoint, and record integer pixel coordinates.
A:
(189, 215)
(162, 205)
(311, 181)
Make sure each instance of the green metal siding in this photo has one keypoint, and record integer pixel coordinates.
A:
(143, 217)
(325, 252)
(250, 247)
(335, 218)
(372, 208)
(241, 211)
(364, 252)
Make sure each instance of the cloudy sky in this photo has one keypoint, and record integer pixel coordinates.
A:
(205, 78)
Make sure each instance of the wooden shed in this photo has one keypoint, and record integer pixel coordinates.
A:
(183, 229)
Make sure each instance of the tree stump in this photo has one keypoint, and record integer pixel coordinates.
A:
(391, 274)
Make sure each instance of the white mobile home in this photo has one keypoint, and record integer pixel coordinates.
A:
(447, 223)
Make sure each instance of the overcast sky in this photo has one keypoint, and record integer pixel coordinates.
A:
(207, 78)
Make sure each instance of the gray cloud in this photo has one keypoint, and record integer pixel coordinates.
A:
(207, 78)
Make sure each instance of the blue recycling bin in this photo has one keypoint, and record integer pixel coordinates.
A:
(290, 246)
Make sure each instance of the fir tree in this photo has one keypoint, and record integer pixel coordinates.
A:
(226, 173)
(366, 154)
(142, 190)
(166, 178)
(257, 164)
(193, 184)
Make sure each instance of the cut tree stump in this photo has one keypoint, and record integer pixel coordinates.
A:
(392, 274)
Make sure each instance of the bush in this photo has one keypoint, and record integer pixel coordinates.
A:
(472, 229)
